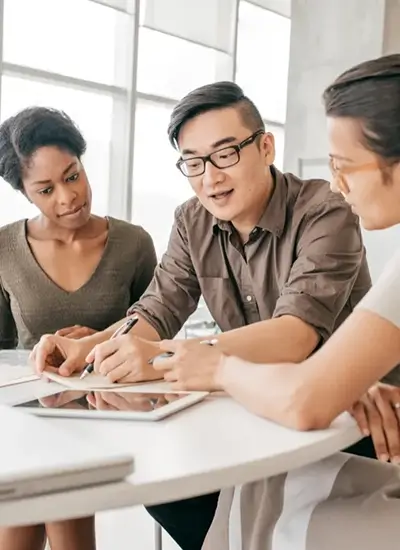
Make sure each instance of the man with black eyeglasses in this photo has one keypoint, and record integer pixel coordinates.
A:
(278, 260)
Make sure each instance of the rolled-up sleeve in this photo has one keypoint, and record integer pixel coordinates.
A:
(174, 291)
(329, 255)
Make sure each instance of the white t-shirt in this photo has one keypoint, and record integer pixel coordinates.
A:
(384, 296)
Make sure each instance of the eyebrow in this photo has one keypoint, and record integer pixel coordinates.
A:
(339, 157)
(215, 145)
(67, 169)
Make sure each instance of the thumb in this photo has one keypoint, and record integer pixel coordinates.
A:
(69, 366)
(90, 357)
(169, 345)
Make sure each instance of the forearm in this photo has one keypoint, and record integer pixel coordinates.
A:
(309, 395)
(286, 339)
(142, 329)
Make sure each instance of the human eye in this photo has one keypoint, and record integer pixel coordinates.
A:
(225, 154)
(192, 163)
(45, 191)
(72, 177)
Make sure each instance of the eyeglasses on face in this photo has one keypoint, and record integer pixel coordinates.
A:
(339, 174)
(223, 158)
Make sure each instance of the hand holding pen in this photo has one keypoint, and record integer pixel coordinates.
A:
(123, 329)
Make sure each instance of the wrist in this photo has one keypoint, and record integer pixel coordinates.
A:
(221, 372)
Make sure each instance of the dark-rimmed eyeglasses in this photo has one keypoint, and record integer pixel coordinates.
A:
(223, 158)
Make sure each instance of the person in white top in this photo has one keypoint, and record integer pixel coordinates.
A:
(363, 114)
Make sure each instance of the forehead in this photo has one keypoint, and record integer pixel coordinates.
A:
(49, 158)
(207, 128)
(344, 136)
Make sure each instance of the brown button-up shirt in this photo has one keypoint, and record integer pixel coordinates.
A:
(304, 258)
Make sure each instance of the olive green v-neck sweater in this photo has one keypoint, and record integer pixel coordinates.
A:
(31, 304)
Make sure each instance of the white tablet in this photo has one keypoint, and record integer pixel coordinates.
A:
(117, 405)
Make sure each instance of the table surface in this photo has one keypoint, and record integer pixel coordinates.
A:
(212, 445)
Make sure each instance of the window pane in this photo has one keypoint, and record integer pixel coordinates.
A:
(92, 113)
(263, 59)
(172, 67)
(158, 187)
(71, 37)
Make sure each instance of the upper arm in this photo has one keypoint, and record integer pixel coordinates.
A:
(8, 332)
(145, 268)
(329, 255)
(174, 291)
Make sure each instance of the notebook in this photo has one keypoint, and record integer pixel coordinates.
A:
(38, 456)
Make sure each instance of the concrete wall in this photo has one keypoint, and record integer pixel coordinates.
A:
(327, 37)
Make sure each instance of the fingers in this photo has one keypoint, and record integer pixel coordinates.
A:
(122, 374)
(102, 351)
(391, 426)
(67, 330)
(360, 415)
(377, 430)
(42, 352)
(170, 345)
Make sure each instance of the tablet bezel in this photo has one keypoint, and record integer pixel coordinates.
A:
(191, 398)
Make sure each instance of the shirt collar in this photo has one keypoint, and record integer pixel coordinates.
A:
(274, 216)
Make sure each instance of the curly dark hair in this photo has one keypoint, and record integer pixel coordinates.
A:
(24, 133)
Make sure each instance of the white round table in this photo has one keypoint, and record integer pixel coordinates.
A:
(214, 444)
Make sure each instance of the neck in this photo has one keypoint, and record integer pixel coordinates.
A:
(245, 223)
(63, 234)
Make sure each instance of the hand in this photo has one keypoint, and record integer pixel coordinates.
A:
(193, 366)
(376, 414)
(58, 354)
(76, 332)
(125, 359)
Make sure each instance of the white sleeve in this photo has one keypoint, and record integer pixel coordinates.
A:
(384, 297)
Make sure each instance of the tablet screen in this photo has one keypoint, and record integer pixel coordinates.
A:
(105, 400)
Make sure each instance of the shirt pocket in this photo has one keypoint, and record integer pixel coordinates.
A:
(220, 295)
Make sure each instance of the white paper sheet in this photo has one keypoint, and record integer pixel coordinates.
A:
(91, 382)
(15, 374)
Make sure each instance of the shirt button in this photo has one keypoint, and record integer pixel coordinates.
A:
(249, 298)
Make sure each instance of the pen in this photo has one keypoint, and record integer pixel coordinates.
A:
(168, 354)
(123, 329)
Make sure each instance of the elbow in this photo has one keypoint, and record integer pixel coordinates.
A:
(302, 413)
(306, 420)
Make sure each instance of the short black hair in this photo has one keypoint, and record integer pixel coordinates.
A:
(24, 133)
(218, 95)
(370, 94)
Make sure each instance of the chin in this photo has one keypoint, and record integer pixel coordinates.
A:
(375, 225)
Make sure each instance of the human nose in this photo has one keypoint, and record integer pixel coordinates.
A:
(212, 175)
(65, 195)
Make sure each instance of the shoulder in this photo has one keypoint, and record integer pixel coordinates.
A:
(191, 210)
(11, 235)
(127, 232)
(313, 199)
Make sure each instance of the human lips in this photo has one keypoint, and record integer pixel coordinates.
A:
(72, 212)
(221, 195)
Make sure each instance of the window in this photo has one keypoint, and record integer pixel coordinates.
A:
(172, 67)
(72, 37)
(263, 59)
(93, 114)
(158, 187)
